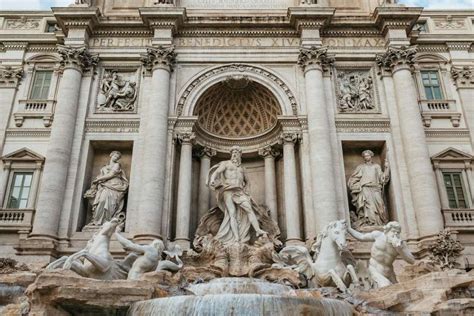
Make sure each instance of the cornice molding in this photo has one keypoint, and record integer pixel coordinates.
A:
(372, 125)
(447, 132)
(396, 18)
(77, 17)
(28, 132)
(112, 126)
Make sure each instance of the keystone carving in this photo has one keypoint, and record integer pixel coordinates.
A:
(164, 57)
(315, 56)
(77, 57)
(396, 56)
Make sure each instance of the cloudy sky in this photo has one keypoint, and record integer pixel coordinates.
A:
(46, 4)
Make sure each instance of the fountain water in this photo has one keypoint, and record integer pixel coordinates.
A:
(240, 296)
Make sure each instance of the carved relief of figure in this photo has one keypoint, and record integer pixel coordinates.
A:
(229, 181)
(117, 94)
(108, 191)
(366, 185)
(387, 246)
(355, 92)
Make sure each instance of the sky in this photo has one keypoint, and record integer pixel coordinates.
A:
(46, 4)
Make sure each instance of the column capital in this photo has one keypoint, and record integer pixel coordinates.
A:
(163, 57)
(268, 152)
(76, 57)
(463, 76)
(205, 152)
(10, 76)
(185, 137)
(289, 137)
(396, 58)
(315, 58)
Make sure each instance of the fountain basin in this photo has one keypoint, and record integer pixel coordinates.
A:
(240, 296)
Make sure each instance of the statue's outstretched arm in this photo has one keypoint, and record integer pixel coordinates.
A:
(405, 253)
(128, 245)
(363, 237)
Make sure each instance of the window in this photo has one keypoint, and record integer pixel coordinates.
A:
(454, 189)
(51, 27)
(431, 84)
(20, 190)
(41, 84)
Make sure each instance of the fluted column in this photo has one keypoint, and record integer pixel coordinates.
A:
(464, 80)
(53, 184)
(314, 61)
(422, 178)
(269, 154)
(205, 154)
(160, 62)
(292, 205)
(183, 208)
(9, 78)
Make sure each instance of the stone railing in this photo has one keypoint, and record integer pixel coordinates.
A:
(459, 218)
(34, 108)
(439, 109)
(16, 219)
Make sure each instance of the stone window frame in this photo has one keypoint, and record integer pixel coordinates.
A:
(444, 108)
(22, 160)
(454, 160)
(432, 62)
(32, 108)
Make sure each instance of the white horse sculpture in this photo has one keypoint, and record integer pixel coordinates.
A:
(95, 260)
(328, 267)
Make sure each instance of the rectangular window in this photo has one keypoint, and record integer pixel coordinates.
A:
(41, 84)
(20, 190)
(431, 84)
(454, 189)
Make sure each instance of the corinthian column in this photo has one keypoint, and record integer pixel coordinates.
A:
(269, 154)
(464, 80)
(292, 205)
(422, 178)
(314, 61)
(50, 199)
(183, 208)
(205, 155)
(159, 61)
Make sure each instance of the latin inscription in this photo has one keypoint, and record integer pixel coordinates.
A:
(120, 42)
(354, 42)
(236, 42)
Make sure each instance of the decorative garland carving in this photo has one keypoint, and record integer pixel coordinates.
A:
(315, 56)
(77, 57)
(241, 68)
(160, 57)
(396, 56)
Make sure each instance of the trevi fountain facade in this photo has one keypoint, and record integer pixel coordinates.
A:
(266, 157)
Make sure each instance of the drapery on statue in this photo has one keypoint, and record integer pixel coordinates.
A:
(108, 191)
(366, 185)
(387, 246)
(241, 212)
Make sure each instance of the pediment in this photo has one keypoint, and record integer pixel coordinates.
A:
(452, 154)
(23, 154)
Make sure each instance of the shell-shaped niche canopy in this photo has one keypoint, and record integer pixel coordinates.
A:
(237, 108)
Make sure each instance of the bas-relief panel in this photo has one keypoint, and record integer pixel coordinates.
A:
(118, 91)
(356, 91)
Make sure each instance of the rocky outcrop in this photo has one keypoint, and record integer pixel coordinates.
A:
(63, 292)
(444, 293)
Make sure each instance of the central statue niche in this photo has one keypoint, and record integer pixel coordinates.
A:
(237, 108)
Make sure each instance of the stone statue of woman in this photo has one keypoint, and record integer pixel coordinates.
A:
(366, 186)
(108, 191)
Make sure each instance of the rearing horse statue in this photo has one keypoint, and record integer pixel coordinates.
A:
(328, 267)
(95, 260)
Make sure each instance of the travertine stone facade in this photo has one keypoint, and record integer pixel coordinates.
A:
(302, 88)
